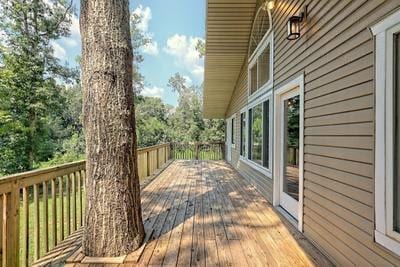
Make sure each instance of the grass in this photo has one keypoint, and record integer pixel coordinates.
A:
(49, 219)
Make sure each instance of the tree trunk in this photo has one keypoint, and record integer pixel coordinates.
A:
(114, 224)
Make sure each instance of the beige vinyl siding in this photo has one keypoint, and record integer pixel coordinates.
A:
(336, 55)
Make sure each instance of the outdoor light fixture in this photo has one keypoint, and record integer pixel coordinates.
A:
(293, 25)
(269, 4)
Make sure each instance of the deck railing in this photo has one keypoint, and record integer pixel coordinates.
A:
(198, 150)
(40, 208)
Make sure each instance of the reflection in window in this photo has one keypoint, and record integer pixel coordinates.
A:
(263, 67)
(233, 130)
(253, 79)
(291, 151)
(396, 176)
(242, 134)
(259, 134)
(256, 134)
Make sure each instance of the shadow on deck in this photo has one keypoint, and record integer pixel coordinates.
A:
(205, 213)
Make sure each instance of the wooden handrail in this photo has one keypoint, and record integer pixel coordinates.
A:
(198, 150)
(50, 204)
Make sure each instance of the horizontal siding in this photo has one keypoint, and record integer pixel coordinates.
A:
(336, 55)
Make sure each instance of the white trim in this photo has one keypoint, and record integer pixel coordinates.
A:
(384, 142)
(386, 23)
(257, 167)
(243, 111)
(253, 61)
(297, 86)
(267, 96)
(266, 33)
(387, 242)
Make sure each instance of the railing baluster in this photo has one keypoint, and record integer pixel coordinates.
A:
(61, 196)
(73, 192)
(25, 227)
(4, 230)
(54, 213)
(36, 252)
(83, 193)
(68, 204)
(45, 218)
(78, 174)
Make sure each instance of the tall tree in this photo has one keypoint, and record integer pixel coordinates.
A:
(114, 224)
(29, 72)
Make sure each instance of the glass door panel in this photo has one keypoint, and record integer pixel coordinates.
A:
(291, 147)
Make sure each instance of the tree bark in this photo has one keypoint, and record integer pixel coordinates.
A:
(113, 223)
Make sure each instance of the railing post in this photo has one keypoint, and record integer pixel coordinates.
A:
(148, 162)
(197, 150)
(158, 157)
(11, 227)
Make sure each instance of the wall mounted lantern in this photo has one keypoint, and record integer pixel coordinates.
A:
(294, 25)
(269, 4)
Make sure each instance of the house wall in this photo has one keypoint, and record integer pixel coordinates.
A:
(336, 55)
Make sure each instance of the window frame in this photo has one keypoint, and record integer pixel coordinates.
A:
(266, 171)
(243, 154)
(232, 120)
(253, 61)
(384, 32)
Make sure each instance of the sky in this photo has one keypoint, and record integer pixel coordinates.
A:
(175, 26)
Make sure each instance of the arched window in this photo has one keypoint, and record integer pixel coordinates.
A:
(262, 26)
(260, 53)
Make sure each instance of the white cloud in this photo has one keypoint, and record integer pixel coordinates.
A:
(75, 37)
(153, 91)
(145, 14)
(151, 48)
(183, 48)
(189, 81)
(59, 51)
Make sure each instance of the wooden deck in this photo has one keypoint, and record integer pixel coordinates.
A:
(204, 213)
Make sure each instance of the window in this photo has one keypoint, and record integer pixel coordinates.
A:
(387, 132)
(396, 81)
(259, 137)
(242, 134)
(260, 70)
(233, 131)
(263, 67)
(260, 54)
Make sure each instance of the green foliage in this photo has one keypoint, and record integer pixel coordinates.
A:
(41, 100)
(31, 103)
(151, 121)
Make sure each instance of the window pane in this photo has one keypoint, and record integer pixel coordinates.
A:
(249, 134)
(396, 187)
(292, 137)
(233, 131)
(256, 134)
(263, 67)
(242, 133)
(253, 79)
(266, 134)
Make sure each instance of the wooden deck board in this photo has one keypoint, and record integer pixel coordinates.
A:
(203, 213)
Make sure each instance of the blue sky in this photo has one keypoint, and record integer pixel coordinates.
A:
(174, 26)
